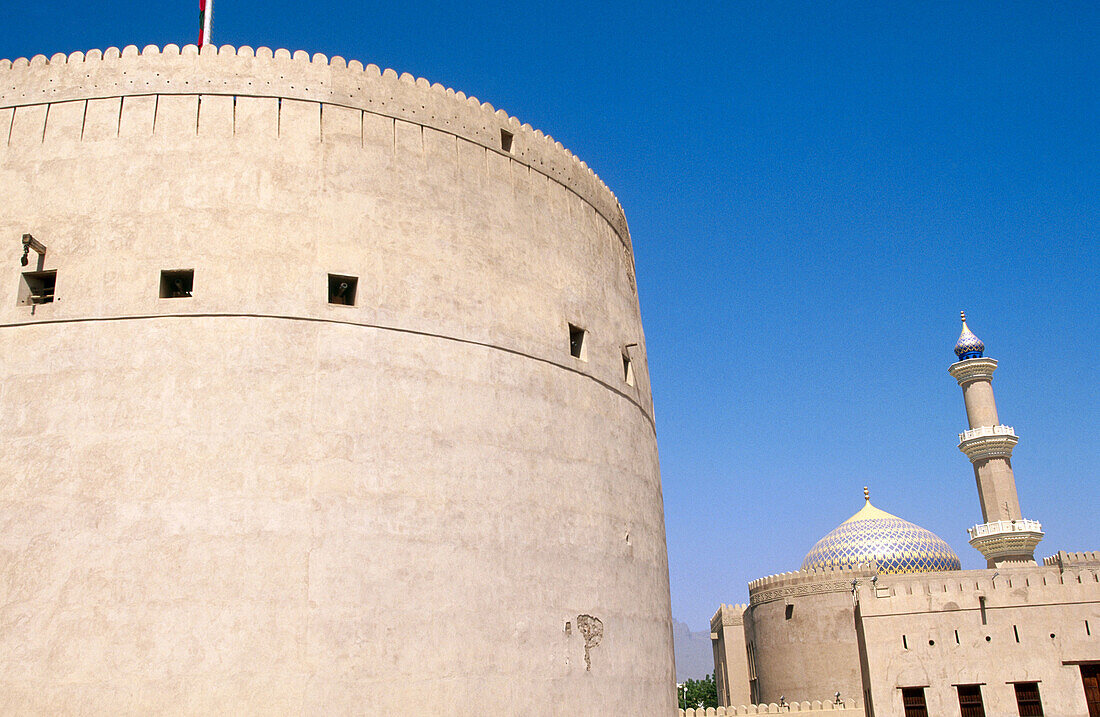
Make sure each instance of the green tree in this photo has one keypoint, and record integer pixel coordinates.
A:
(698, 693)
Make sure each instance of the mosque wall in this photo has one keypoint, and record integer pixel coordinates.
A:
(991, 628)
(810, 655)
(848, 708)
(253, 499)
(731, 657)
(800, 638)
(935, 631)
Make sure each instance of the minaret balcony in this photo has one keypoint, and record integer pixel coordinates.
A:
(988, 442)
(1005, 539)
(973, 369)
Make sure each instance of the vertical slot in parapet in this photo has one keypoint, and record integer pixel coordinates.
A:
(506, 139)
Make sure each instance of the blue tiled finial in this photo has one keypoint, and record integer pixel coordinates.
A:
(968, 346)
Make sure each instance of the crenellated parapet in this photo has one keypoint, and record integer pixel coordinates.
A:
(815, 581)
(1065, 570)
(326, 82)
(728, 615)
(1066, 559)
(1076, 569)
(1046, 584)
(848, 707)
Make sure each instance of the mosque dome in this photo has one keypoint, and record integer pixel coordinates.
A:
(968, 346)
(897, 545)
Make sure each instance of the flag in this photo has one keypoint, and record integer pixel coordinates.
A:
(206, 16)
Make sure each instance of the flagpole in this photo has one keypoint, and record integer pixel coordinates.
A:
(206, 20)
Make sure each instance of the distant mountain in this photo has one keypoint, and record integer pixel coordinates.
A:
(694, 655)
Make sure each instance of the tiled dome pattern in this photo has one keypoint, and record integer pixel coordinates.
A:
(897, 545)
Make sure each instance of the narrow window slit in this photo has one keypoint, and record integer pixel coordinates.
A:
(506, 140)
(578, 343)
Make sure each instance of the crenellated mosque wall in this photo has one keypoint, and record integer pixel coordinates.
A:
(813, 633)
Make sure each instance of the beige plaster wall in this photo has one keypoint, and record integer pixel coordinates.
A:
(253, 501)
(1028, 604)
(732, 671)
(929, 630)
(814, 653)
(849, 708)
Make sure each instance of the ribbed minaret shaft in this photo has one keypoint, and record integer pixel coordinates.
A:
(1004, 535)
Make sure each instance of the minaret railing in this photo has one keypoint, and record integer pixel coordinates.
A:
(983, 431)
(1005, 526)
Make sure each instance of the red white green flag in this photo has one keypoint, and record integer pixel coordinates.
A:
(206, 16)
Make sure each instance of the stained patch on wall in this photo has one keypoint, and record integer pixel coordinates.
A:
(592, 630)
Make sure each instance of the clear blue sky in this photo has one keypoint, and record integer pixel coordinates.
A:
(814, 191)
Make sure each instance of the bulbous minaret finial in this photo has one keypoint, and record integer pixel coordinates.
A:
(968, 346)
(866, 494)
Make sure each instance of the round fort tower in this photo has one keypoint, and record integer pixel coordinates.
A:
(324, 391)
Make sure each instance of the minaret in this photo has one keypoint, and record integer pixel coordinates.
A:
(1004, 536)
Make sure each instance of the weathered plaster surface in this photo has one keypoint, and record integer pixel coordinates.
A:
(253, 501)
(1026, 623)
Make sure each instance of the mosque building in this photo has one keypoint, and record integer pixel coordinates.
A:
(881, 618)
